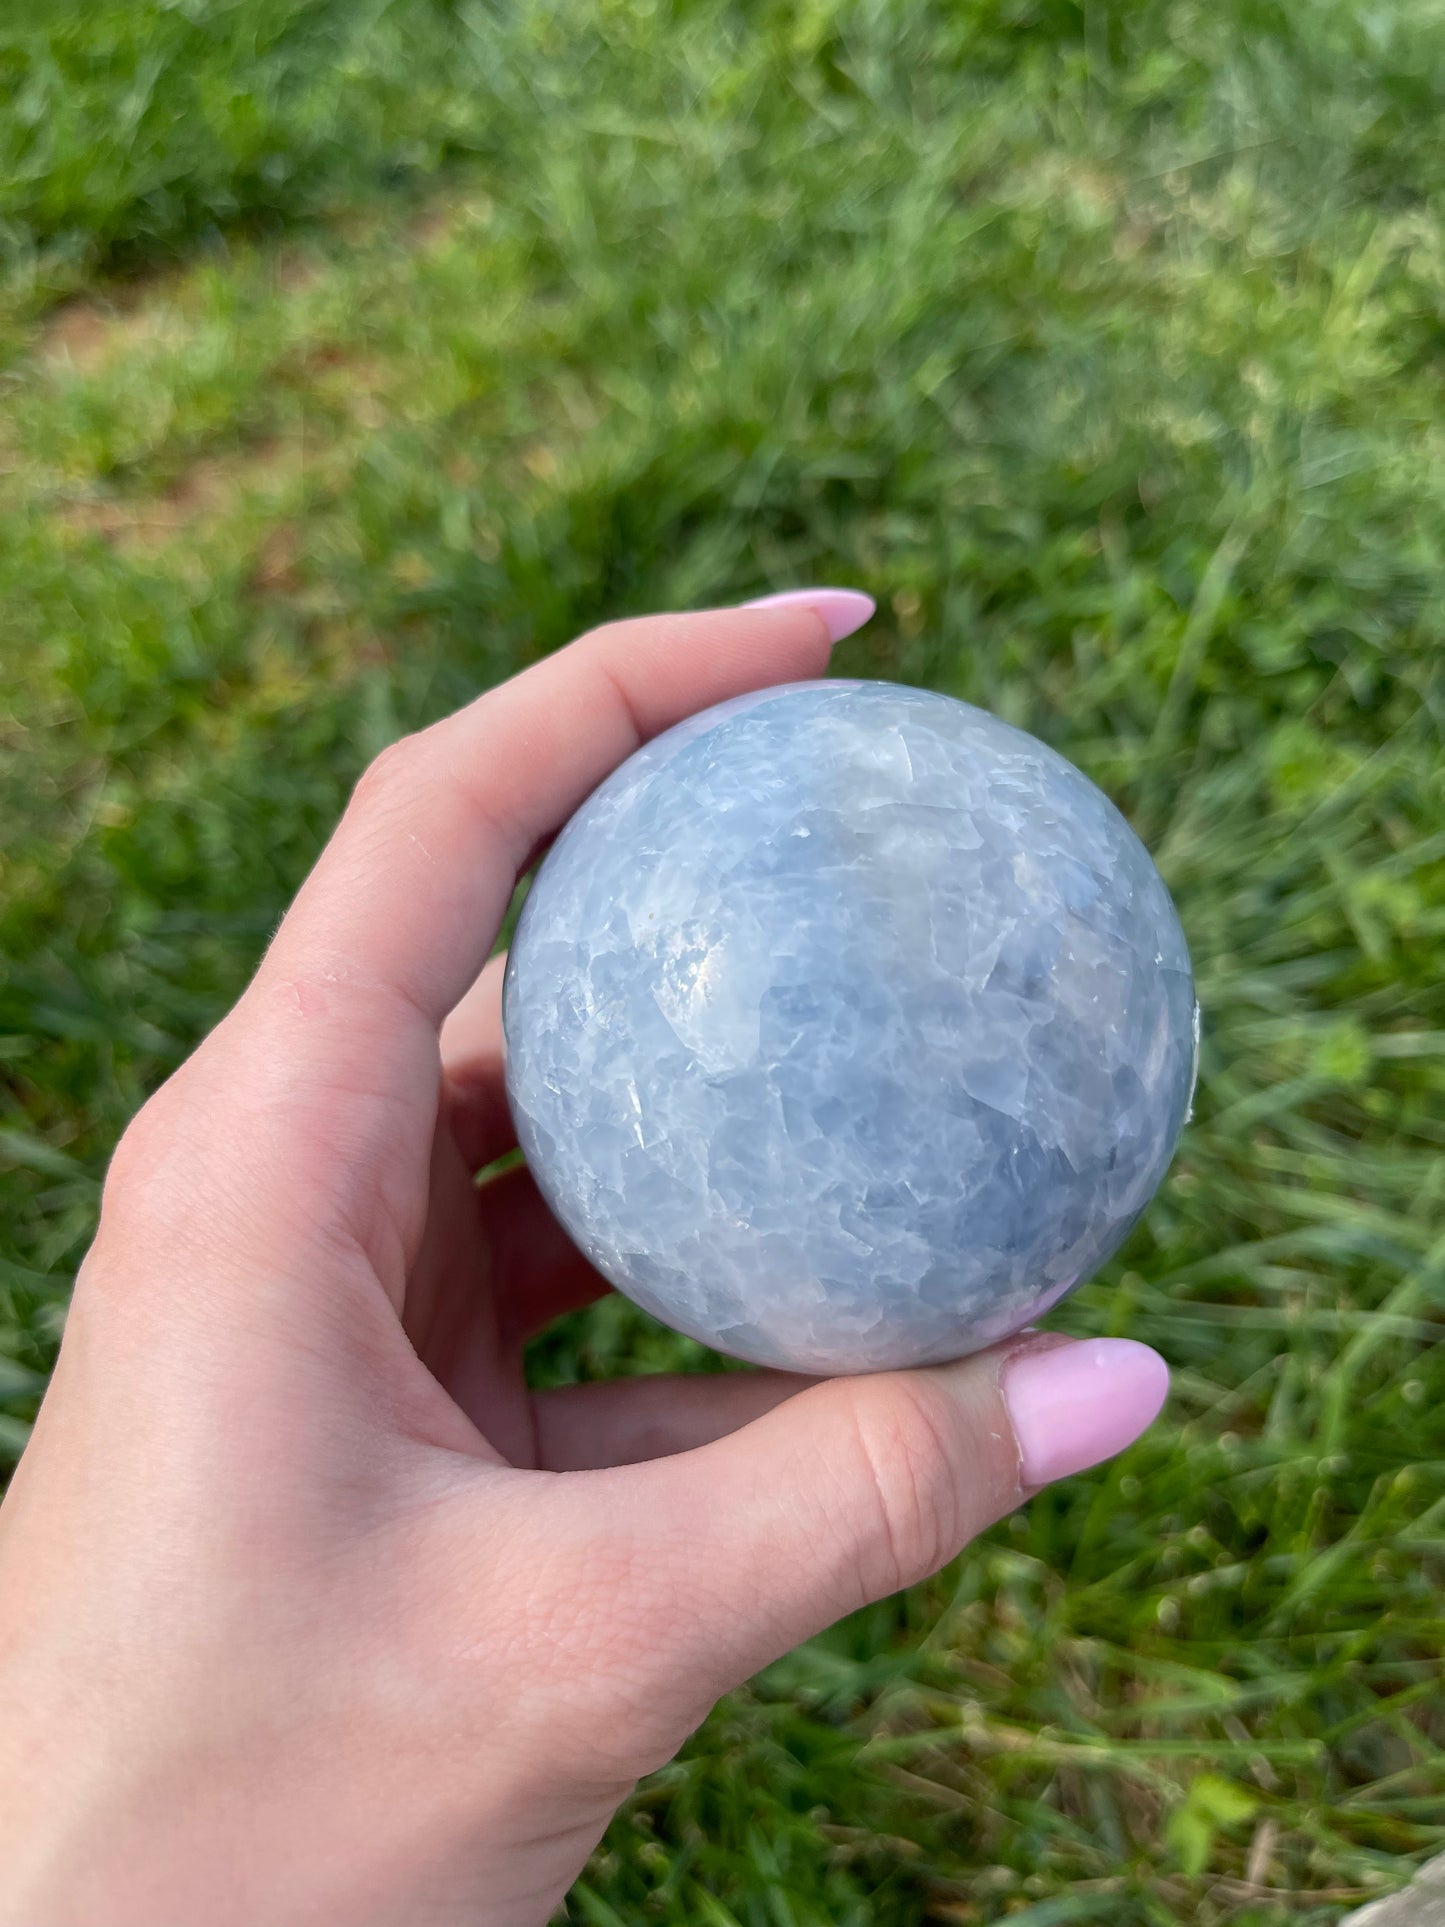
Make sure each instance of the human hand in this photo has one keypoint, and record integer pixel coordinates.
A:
(309, 1611)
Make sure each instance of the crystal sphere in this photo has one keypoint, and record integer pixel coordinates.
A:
(848, 1027)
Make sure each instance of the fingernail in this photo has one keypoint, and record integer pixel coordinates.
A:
(1075, 1404)
(843, 610)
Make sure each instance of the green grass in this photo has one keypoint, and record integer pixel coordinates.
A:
(353, 356)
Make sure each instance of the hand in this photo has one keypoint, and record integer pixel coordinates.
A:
(309, 1612)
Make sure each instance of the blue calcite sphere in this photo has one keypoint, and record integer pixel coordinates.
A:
(848, 1027)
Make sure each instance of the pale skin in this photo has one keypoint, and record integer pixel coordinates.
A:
(309, 1611)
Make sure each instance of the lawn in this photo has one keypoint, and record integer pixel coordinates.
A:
(354, 355)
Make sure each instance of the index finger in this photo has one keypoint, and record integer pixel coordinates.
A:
(403, 907)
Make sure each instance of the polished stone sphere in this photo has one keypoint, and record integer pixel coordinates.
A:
(848, 1027)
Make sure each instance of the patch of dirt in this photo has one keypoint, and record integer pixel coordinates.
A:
(347, 380)
(92, 329)
(438, 220)
(298, 270)
(276, 569)
(90, 332)
(205, 495)
(348, 390)
(79, 333)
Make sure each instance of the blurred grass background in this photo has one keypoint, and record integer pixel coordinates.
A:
(353, 355)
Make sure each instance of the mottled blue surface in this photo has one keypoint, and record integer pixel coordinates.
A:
(848, 1027)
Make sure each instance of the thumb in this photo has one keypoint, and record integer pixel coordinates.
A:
(859, 1486)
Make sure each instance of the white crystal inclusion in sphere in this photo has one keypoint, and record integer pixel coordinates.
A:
(848, 1027)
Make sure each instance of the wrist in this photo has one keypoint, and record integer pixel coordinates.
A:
(230, 1849)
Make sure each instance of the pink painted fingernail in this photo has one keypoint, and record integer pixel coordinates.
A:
(1075, 1404)
(843, 610)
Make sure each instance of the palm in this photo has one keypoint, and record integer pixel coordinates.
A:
(453, 1310)
(493, 1266)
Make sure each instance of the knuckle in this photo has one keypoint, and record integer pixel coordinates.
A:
(601, 634)
(904, 1433)
(162, 1179)
(145, 1150)
(148, 1204)
(390, 776)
